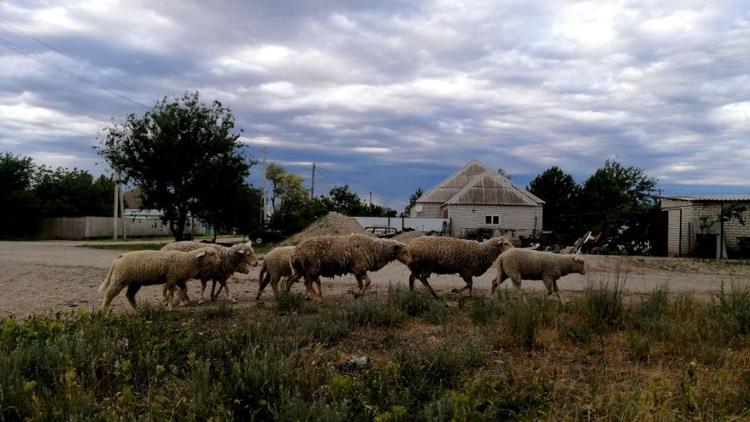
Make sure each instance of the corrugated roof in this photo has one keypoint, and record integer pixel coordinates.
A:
(477, 184)
(452, 184)
(492, 189)
(710, 198)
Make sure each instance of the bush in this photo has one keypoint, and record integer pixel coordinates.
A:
(734, 310)
(639, 349)
(373, 312)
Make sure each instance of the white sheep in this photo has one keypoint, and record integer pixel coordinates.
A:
(143, 268)
(237, 258)
(448, 255)
(330, 256)
(276, 265)
(529, 264)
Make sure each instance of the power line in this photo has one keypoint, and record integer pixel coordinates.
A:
(330, 177)
(53, 48)
(49, 63)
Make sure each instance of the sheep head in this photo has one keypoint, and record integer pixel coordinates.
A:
(501, 243)
(579, 265)
(398, 251)
(207, 256)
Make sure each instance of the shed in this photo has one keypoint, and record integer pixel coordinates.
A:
(695, 229)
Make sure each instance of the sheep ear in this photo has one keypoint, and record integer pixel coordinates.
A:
(201, 254)
(241, 251)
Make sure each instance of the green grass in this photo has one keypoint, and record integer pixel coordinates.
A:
(511, 357)
(125, 247)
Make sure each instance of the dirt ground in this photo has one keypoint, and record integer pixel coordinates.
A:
(58, 276)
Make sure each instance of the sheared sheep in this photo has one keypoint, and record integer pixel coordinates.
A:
(535, 265)
(448, 255)
(329, 256)
(237, 258)
(276, 264)
(144, 268)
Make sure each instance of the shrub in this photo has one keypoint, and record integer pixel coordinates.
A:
(639, 349)
(373, 312)
(734, 310)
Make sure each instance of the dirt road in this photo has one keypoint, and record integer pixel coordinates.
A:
(53, 276)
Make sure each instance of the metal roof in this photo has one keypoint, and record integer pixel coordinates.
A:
(709, 198)
(487, 189)
(477, 184)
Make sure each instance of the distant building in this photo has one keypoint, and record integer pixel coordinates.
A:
(477, 197)
(694, 227)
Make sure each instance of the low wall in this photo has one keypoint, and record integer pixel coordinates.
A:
(422, 224)
(92, 227)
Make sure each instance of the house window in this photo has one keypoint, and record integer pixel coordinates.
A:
(492, 219)
(495, 219)
(488, 219)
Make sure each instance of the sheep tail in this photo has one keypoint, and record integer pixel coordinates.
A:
(107, 279)
(262, 271)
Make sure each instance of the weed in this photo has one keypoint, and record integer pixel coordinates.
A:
(639, 349)
(409, 301)
(289, 302)
(734, 310)
(524, 315)
(371, 311)
(222, 311)
(601, 305)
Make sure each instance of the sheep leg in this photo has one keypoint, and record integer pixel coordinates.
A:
(214, 294)
(130, 294)
(423, 279)
(549, 283)
(362, 287)
(501, 277)
(311, 291)
(225, 285)
(317, 283)
(262, 285)
(517, 282)
(469, 284)
(275, 286)
(411, 281)
(203, 290)
(110, 294)
(557, 291)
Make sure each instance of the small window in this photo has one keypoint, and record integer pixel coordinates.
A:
(488, 219)
(495, 219)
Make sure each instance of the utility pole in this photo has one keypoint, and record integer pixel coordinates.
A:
(264, 191)
(122, 210)
(116, 179)
(312, 188)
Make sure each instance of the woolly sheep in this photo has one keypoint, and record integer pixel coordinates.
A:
(535, 265)
(237, 258)
(143, 268)
(448, 255)
(329, 256)
(276, 264)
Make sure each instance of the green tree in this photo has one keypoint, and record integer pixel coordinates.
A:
(413, 200)
(616, 196)
(291, 205)
(560, 193)
(72, 193)
(343, 200)
(18, 209)
(176, 153)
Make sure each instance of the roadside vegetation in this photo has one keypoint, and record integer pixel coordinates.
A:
(404, 356)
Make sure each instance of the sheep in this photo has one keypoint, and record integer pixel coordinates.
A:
(329, 256)
(535, 265)
(143, 268)
(447, 255)
(237, 258)
(276, 264)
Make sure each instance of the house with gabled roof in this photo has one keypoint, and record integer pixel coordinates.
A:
(477, 197)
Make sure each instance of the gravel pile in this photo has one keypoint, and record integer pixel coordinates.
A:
(331, 224)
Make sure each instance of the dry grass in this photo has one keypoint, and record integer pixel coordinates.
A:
(664, 357)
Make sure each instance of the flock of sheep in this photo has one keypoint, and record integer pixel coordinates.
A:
(330, 256)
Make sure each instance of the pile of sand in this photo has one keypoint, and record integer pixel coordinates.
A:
(407, 237)
(331, 224)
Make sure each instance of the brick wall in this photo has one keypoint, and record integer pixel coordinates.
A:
(514, 221)
(429, 210)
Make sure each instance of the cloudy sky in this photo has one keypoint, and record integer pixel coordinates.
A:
(388, 96)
